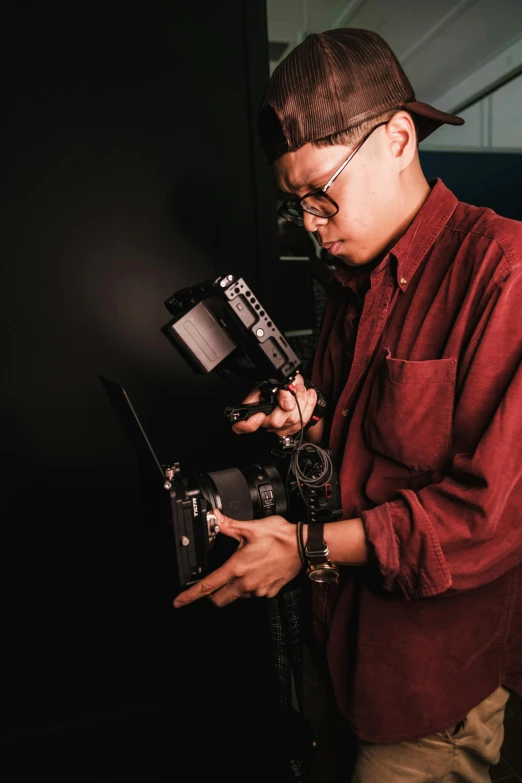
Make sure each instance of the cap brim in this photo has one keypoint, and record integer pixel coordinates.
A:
(430, 118)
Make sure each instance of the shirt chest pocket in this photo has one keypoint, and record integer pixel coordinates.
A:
(410, 411)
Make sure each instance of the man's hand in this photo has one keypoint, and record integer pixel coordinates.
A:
(266, 559)
(284, 419)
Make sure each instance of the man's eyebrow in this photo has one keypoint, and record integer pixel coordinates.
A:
(309, 182)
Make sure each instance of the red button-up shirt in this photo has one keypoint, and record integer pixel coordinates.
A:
(423, 376)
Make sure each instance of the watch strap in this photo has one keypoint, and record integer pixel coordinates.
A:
(319, 568)
(316, 550)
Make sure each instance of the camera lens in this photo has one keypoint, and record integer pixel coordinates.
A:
(252, 494)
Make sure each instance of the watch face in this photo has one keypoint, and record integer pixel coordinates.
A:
(324, 574)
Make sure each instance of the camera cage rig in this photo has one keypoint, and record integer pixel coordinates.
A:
(216, 328)
(220, 325)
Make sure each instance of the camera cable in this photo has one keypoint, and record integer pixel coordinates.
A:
(308, 470)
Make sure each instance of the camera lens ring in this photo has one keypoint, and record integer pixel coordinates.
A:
(228, 491)
(252, 494)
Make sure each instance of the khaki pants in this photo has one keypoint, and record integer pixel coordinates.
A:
(462, 753)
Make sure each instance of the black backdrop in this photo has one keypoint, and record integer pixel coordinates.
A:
(129, 169)
(485, 179)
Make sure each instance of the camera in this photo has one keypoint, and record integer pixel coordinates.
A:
(267, 487)
(220, 326)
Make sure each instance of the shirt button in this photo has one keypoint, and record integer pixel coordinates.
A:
(346, 412)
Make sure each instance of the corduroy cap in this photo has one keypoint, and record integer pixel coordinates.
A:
(332, 82)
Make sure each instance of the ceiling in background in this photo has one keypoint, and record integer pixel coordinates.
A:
(439, 43)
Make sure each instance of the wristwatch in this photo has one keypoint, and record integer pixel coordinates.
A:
(319, 568)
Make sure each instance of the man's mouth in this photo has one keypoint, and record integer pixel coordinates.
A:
(332, 247)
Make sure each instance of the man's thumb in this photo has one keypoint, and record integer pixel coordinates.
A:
(230, 527)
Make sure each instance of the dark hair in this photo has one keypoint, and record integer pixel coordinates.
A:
(354, 135)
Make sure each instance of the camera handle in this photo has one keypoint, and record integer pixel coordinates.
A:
(269, 390)
(245, 411)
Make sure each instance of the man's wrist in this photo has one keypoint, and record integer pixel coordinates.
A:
(319, 566)
(345, 539)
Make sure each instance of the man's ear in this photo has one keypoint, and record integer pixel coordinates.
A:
(402, 138)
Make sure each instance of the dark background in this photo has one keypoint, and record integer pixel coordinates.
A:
(129, 169)
(485, 179)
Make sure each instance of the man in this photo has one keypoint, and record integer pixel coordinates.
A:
(419, 360)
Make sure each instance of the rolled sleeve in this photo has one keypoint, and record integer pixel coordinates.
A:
(406, 548)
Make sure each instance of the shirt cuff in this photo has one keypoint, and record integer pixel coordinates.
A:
(406, 547)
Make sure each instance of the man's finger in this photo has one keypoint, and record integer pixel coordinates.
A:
(205, 587)
(230, 527)
(249, 425)
(286, 400)
(228, 594)
(311, 401)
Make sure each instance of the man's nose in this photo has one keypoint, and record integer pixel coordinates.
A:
(311, 222)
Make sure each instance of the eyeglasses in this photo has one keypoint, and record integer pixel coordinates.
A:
(318, 202)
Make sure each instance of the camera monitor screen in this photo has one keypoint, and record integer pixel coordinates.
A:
(128, 417)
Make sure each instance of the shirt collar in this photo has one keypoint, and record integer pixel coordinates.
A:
(412, 247)
(425, 229)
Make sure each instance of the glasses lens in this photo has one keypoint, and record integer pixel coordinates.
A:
(319, 204)
(291, 210)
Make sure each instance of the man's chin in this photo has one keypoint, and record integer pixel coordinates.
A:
(345, 260)
(350, 257)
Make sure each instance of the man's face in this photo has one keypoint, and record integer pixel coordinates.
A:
(367, 192)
